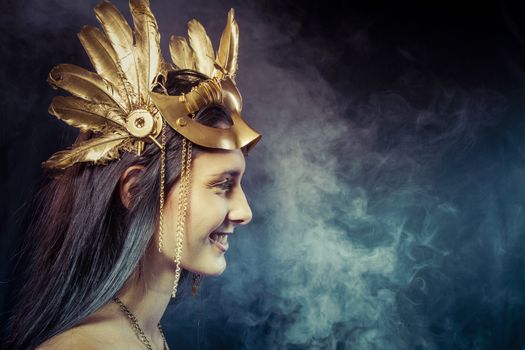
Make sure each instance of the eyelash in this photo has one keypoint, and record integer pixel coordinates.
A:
(225, 185)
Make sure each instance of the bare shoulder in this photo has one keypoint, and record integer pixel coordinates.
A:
(85, 337)
(74, 338)
(100, 330)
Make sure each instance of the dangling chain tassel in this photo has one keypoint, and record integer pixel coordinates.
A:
(196, 284)
(162, 179)
(183, 208)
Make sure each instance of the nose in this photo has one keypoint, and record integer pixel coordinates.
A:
(240, 212)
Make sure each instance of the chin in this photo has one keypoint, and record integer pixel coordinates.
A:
(211, 268)
(218, 269)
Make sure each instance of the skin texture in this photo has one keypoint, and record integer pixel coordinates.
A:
(217, 203)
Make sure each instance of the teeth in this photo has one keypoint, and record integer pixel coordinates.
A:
(217, 237)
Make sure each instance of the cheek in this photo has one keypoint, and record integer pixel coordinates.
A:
(208, 212)
(171, 216)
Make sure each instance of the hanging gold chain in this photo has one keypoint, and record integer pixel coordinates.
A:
(136, 327)
(162, 179)
(184, 189)
(180, 228)
(184, 192)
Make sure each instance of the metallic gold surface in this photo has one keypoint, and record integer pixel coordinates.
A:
(85, 115)
(162, 185)
(177, 109)
(87, 85)
(140, 123)
(116, 102)
(228, 52)
(183, 207)
(181, 53)
(219, 89)
(202, 47)
(98, 150)
(240, 135)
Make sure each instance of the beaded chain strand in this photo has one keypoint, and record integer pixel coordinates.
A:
(162, 179)
(186, 157)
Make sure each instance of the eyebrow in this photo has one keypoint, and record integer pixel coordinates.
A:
(232, 173)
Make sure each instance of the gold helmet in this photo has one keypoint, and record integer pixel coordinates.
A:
(118, 105)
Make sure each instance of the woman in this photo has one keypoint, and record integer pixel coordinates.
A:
(149, 192)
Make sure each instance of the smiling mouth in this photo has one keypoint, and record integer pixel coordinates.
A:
(220, 240)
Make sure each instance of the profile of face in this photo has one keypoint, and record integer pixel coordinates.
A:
(217, 204)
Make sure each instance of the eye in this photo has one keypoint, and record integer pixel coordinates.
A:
(225, 185)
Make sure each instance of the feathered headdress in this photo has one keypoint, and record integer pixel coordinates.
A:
(117, 102)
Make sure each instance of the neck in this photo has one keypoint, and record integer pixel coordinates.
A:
(148, 295)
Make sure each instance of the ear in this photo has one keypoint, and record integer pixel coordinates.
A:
(126, 183)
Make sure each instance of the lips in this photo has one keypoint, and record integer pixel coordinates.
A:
(220, 240)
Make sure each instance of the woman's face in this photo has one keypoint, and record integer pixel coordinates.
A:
(217, 204)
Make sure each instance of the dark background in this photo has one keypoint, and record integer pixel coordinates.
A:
(430, 99)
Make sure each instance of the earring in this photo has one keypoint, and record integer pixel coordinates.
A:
(196, 283)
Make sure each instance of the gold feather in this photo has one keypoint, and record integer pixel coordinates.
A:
(227, 54)
(103, 58)
(147, 40)
(181, 53)
(201, 45)
(86, 115)
(86, 85)
(98, 150)
(120, 36)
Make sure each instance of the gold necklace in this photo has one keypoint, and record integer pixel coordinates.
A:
(135, 325)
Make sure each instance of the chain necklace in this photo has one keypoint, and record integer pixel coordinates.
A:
(135, 325)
